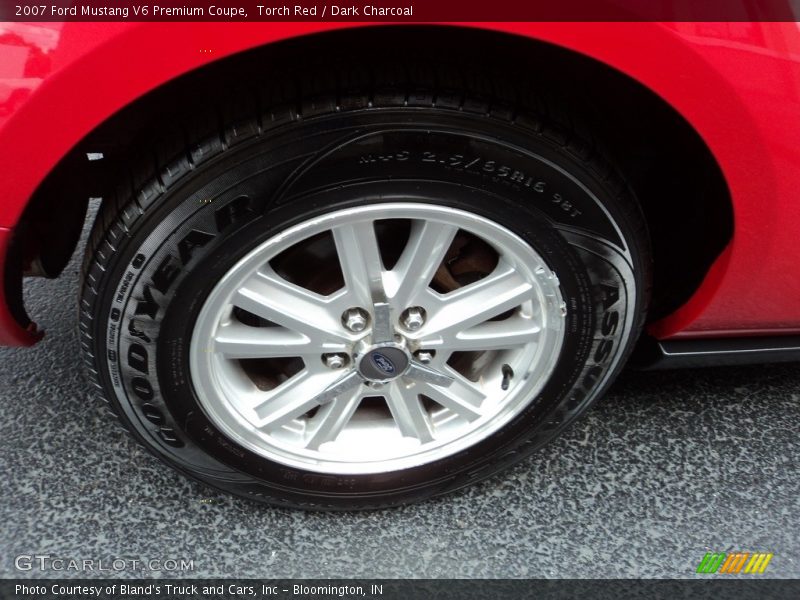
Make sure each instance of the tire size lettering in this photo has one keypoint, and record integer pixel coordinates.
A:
(497, 171)
(392, 156)
(126, 282)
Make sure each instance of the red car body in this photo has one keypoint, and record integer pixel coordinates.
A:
(736, 84)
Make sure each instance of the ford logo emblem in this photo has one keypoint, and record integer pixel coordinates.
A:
(383, 363)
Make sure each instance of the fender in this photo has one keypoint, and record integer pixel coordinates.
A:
(735, 83)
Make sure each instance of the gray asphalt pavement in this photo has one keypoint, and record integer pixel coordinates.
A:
(667, 467)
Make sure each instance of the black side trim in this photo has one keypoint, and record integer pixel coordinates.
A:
(682, 354)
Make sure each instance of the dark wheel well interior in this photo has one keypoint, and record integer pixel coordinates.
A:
(673, 174)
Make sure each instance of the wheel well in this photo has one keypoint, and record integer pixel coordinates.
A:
(675, 177)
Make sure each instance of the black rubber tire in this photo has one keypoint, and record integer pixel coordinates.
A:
(218, 189)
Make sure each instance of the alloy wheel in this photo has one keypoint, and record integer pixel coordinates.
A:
(377, 338)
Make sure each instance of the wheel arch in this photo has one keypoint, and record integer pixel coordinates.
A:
(660, 153)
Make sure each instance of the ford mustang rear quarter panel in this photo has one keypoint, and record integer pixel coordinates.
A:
(735, 83)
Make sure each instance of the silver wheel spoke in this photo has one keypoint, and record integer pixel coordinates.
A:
(332, 418)
(237, 341)
(489, 297)
(462, 397)
(426, 248)
(361, 262)
(382, 327)
(271, 297)
(294, 397)
(419, 372)
(408, 412)
(338, 388)
(491, 335)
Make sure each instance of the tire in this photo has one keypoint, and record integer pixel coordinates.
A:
(507, 186)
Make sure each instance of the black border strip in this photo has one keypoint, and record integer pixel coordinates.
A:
(713, 586)
(423, 10)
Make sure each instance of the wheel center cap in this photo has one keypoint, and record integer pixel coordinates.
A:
(383, 363)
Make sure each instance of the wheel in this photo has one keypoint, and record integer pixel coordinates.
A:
(366, 305)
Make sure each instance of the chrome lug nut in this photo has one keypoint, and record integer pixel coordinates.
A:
(424, 356)
(413, 318)
(355, 319)
(334, 361)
